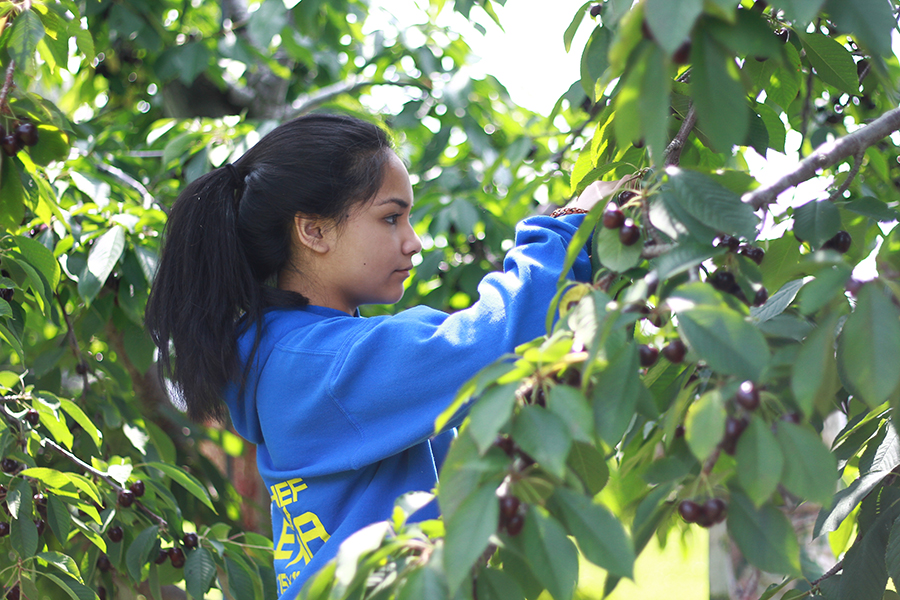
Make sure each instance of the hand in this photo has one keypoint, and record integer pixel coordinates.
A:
(594, 193)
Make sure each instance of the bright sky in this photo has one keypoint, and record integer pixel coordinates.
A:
(528, 56)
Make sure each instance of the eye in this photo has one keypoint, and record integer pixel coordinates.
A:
(392, 219)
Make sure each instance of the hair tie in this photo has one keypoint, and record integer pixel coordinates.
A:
(235, 176)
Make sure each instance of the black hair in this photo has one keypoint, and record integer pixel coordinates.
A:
(229, 235)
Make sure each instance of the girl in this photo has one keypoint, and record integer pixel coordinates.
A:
(265, 265)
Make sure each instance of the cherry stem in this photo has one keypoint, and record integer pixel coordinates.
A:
(106, 478)
(8, 85)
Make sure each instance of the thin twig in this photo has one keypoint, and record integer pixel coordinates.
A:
(8, 85)
(76, 349)
(830, 573)
(106, 478)
(854, 171)
(672, 154)
(826, 155)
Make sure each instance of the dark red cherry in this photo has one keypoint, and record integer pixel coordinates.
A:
(689, 510)
(674, 351)
(747, 395)
(613, 217)
(648, 355)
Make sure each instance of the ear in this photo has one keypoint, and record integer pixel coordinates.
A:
(311, 233)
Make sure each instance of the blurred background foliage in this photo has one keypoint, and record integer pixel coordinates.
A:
(132, 99)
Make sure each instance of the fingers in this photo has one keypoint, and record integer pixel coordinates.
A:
(596, 192)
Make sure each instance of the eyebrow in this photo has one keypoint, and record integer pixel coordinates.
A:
(401, 203)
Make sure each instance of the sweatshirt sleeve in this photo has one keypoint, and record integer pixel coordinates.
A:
(395, 376)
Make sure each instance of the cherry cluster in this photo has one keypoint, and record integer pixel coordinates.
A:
(23, 133)
(707, 514)
(614, 218)
(512, 514)
(725, 281)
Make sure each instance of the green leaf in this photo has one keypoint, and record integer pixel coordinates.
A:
(74, 411)
(490, 413)
(616, 394)
(63, 562)
(468, 532)
(760, 461)
(727, 342)
(600, 535)
(873, 208)
(53, 146)
(24, 536)
(40, 258)
(187, 481)
(817, 221)
(544, 437)
(18, 500)
(869, 347)
(833, 63)
(654, 103)
(811, 472)
(27, 31)
(569, 35)
(671, 21)
(139, 552)
(12, 193)
(828, 285)
(711, 203)
(687, 255)
(892, 554)
(590, 466)
(243, 582)
(800, 11)
(199, 572)
(814, 373)
(571, 406)
(777, 302)
(869, 21)
(594, 61)
(613, 254)
(58, 518)
(75, 589)
(101, 260)
(547, 549)
(764, 536)
(705, 424)
(718, 94)
(865, 573)
(495, 585)
(425, 582)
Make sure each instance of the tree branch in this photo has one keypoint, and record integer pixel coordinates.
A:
(826, 155)
(8, 85)
(673, 150)
(309, 102)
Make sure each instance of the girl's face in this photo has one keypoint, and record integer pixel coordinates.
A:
(370, 254)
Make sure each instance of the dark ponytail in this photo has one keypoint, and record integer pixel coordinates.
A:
(228, 237)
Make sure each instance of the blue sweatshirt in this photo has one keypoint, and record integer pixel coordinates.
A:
(342, 408)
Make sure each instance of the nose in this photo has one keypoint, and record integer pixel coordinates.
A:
(412, 244)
